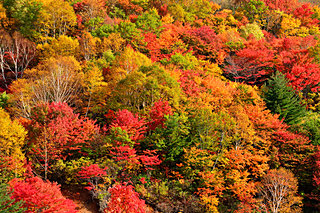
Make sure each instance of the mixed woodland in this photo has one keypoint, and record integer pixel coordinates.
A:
(160, 105)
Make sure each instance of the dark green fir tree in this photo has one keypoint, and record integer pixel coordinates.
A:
(282, 99)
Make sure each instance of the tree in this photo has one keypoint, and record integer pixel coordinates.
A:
(89, 10)
(153, 47)
(311, 126)
(128, 7)
(252, 64)
(92, 174)
(283, 5)
(284, 148)
(57, 47)
(296, 63)
(305, 13)
(211, 189)
(132, 124)
(56, 18)
(128, 62)
(39, 195)
(140, 89)
(251, 30)
(292, 151)
(4, 97)
(88, 45)
(3, 16)
(125, 199)
(202, 9)
(16, 53)
(171, 139)
(255, 10)
(5, 41)
(278, 191)
(55, 80)
(149, 22)
(95, 87)
(302, 72)
(56, 132)
(12, 139)
(316, 178)
(6, 203)
(158, 114)
(22, 15)
(125, 133)
(281, 99)
(21, 52)
(206, 44)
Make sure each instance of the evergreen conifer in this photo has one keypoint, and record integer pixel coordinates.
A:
(282, 99)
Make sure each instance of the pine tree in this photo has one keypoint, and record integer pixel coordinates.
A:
(6, 203)
(281, 99)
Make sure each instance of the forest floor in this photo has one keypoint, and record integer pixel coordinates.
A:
(80, 197)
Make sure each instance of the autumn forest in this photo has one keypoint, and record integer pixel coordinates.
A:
(174, 106)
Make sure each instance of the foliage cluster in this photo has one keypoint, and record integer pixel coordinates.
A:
(167, 106)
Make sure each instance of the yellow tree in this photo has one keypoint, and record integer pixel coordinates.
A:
(114, 42)
(141, 88)
(4, 21)
(128, 62)
(289, 25)
(96, 89)
(278, 191)
(56, 80)
(61, 46)
(88, 45)
(56, 18)
(12, 136)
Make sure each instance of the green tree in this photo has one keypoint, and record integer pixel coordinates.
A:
(255, 11)
(4, 99)
(172, 139)
(6, 203)
(140, 89)
(25, 13)
(310, 126)
(149, 22)
(281, 99)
